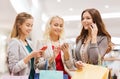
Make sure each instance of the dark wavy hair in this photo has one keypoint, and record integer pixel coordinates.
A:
(100, 25)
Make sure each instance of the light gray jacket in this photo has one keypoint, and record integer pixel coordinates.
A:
(93, 50)
(16, 53)
(41, 65)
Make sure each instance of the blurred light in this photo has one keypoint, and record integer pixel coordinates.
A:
(35, 3)
(70, 9)
(104, 16)
(106, 6)
(111, 15)
(58, 0)
(71, 18)
(3, 37)
(44, 17)
(43, 27)
(20, 5)
(116, 40)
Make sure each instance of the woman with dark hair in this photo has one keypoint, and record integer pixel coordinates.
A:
(94, 41)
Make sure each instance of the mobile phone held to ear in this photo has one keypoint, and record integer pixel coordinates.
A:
(44, 48)
(91, 26)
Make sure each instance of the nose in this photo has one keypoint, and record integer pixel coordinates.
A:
(30, 28)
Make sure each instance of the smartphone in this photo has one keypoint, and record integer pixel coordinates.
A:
(91, 26)
(44, 48)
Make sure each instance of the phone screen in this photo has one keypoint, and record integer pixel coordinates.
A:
(44, 48)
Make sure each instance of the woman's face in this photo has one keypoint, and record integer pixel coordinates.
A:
(86, 20)
(26, 27)
(56, 26)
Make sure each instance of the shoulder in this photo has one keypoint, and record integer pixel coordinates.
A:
(101, 38)
(13, 44)
(13, 41)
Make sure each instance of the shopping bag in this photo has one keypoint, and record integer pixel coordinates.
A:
(14, 77)
(91, 72)
(50, 74)
(36, 76)
(65, 76)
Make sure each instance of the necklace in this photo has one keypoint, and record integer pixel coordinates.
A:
(56, 44)
(56, 47)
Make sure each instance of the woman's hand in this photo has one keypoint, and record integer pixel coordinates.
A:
(33, 54)
(79, 64)
(65, 49)
(37, 53)
(94, 32)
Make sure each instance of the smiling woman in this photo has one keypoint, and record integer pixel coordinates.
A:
(20, 53)
(56, 56)
(93, 42)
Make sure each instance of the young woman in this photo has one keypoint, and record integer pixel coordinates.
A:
(20, 53)
(94, 40)
(57, 55)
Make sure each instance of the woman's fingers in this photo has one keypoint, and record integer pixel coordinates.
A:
(79, 64)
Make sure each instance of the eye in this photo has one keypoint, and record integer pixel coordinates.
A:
(29, 25)
(56, 24)
(88, 18)
(61, 25)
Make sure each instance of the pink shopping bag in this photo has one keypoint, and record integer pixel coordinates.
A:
(14, 77)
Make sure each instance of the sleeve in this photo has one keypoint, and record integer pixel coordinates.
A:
(40, 62)
(70, 63)
(14, 63)
(97, 49)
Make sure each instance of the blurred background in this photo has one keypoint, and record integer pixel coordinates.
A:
(70, 10)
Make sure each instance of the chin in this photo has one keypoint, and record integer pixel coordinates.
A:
(86, 28)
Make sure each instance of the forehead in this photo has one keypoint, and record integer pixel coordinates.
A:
(28, 21)
(86, 14)
(57, 20)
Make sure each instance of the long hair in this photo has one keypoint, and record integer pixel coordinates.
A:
(96, 17)
(48, 28)
(20, 19)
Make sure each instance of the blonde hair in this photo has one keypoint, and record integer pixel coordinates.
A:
(48, 27)
(20, 19)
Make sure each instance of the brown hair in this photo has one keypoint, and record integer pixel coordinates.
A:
(20, 19)
(100, 25)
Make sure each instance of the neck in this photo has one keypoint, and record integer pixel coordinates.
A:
(54, 38)
(23, 39)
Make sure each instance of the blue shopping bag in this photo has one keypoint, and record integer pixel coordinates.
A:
(36, 76)
(50, 74)
(65, 76)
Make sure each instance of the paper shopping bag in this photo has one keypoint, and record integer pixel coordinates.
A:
(14, 77)
(51, 74)
(91, 72)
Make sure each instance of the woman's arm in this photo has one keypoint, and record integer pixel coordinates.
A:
(14, 63)
(98, 49)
